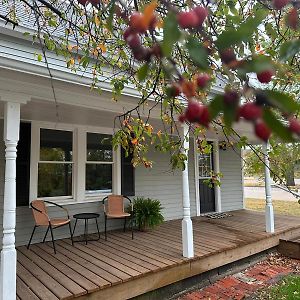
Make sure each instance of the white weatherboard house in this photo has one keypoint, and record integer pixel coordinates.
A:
(33, 126)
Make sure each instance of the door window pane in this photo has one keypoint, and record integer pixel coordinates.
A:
(55, 145)
(99, 147)
(54, 179)
(98, 178)
(205, 166)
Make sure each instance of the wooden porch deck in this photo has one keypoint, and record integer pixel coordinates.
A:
(121, 268)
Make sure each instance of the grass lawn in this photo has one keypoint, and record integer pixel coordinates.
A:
(287, 289)
(280, 207)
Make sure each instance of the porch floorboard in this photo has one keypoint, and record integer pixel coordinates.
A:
(120, 268)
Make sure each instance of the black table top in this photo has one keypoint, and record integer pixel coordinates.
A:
(86, 216)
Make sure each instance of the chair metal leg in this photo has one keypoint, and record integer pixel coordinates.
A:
(124, 229)
(52, 239)
(131, 227)
(98, 228)
(86, 226)
(31, 236)
(74, 227)
(71, 235)
(46, 234)
(105, 217)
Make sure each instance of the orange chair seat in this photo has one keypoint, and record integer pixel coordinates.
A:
(121, 215)
(59, 222)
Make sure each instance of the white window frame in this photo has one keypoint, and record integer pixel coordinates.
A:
(216, 169)
(113, 162)
(79, 162)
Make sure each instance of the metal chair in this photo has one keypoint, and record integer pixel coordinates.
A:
(114, 209)
(41, 218)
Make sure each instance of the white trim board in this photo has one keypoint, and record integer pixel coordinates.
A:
(79, 163)
(216, 164)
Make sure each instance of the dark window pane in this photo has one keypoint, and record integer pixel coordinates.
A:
(205, 166)
(54, 180)
(99, 147)
(127, 169)
(56, 145)
(98, 178)
(23, 165)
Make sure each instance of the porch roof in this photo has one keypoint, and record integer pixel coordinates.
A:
(126, 268)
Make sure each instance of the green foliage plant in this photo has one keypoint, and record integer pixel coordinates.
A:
(147, 213)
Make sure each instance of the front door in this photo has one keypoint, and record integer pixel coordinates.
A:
(206, 191)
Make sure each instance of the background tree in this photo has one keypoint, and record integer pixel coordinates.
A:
(172, 52)
(283, 159)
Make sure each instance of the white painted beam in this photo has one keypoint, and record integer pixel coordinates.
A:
(8, 253)
(270, 227)
(117, 172)
(217, 170)
(187, 226)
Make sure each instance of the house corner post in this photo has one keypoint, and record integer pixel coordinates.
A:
(270, 228)
(187, 226)
(8, 252)
(217, 170)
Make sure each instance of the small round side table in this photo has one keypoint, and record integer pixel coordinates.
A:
(86, 217)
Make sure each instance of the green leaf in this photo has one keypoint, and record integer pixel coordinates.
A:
(171, 33)
(270, 30)
(197, 52)
(243, 33)
(40, 57)
(216, 106)
(229, 115)
(277, 127)
(111, 15)
(142, 72)
(283, 101)
(242, 143)
(259, 63)
(289, 49)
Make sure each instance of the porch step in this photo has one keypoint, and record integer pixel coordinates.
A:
(290, 247)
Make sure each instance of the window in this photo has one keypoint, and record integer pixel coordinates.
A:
(205, 165)
(127, 171)
(55, 166)
(23, 165)
(99, 163)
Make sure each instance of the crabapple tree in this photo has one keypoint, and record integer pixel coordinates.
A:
(173, 52)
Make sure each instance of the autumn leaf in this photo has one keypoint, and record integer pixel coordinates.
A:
(102, 47)
(97, 20)
(149, 13)
(159, 133)
(188, 88)
(134, 141)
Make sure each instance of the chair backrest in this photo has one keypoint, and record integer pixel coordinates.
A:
(115, 204)
(40, 218)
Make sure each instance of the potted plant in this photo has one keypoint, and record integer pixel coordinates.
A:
(147, 213)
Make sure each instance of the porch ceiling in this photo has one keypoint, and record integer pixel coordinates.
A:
(77, 104)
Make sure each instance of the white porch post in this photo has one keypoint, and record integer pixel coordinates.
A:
(8, 253)
(217, 170)
(269, 205)
(187, 226)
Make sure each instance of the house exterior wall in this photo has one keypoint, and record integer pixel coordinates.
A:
(232, 180)
(24, 219)
(160, 183)
(163, 184)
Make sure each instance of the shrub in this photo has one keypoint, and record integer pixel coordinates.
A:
(147, 212)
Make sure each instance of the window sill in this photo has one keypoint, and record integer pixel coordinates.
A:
(64, 202)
